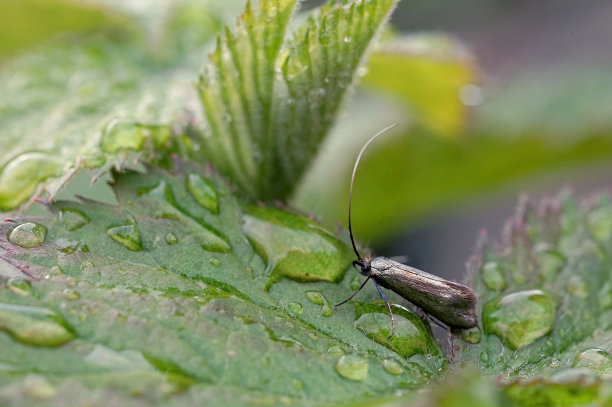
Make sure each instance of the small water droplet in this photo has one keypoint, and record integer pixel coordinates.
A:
(119, 135)
(520, 318)
(215, 261)
(471, 335)
(56, 271)
(296, 307)
(72, 219)
(203, 192)
(335, 350)
(128, 235)
(37, 387)
(595, 359)
(392, 367)
(600, 223)
(33, 325)
(71, 294)
(86, 265)
(287, 241)
(493, 276)
(171, 238)
(352, 367)
(312, 335)
(67, 246)
(577, 287)
(484, 357)
(28, 234)
(20, 177)
(347, 39)
(319, 299)
(19, 286)
(410, 338)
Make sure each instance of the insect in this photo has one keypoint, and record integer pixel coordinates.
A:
(449, 302)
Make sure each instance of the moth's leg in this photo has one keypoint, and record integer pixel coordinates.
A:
(355, 293)
(388, 307)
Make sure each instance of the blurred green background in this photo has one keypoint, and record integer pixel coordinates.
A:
(492, 98)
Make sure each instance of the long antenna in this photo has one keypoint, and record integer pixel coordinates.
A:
(353, 180)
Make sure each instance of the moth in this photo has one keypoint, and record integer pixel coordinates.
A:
(451, 303)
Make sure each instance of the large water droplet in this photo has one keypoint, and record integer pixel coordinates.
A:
(352, 367)
(471, 335)
(295, 247)
(595, 359)
(410, 338)
(28, 235)
(203, 191)
(20, 177)
(319, 299)
(128, 235)
(33, 325)
(72, 219)
(520, 318)
(493, 276)
(392, 367)
(118, 136)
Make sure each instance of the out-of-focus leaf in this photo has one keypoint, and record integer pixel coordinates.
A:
(270, 101)
(428, 72)
(162, 300)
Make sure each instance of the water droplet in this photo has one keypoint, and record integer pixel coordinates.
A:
(577, 287)
(33, 325)
(484, 357)
(71, 294)
(595, 359)
(411, 337)
(28, 235)
(38, 387)
(287, 242)
(119, 135)
(392, 367)
(335, 350)
(296, 307)
(203, 191)
(19, 286)
(67, 246)
(600, 223)
(493, 276)
(20, 177)
(471, 335)
(319, 299)
(86, 265)
(215, 261)
(171, 238)
(520, 318)
(72, 219)
(352, 367)
(356, 281)
(56, 271)
(347, 39)
(128, 235)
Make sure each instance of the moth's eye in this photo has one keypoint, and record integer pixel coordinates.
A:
(366, 268)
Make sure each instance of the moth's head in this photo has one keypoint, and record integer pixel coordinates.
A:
(365, 267)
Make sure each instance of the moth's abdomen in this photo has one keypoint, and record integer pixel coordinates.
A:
(450, 302)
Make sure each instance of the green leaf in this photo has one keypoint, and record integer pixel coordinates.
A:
(546, 297)
(269, 102)
(162, 299)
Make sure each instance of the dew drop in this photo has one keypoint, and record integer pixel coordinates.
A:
(410, 338)
(319, 299)
(296, 307)
(119, 135)
(71, 294)
(215, 261)
(595, 359)
(484, 357)
(493, 276)
(203, 192)
(287, 242)
(33, 325)
(347, 39)
(67, 246)
(471, 335)
(352, 367)
(171, 238)
(19, 286)
(392, 367)
(86, 265)
(72, 219)
(28, 235)
(520, 318)
(335, 350)
(128, 235)
(20, 177)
